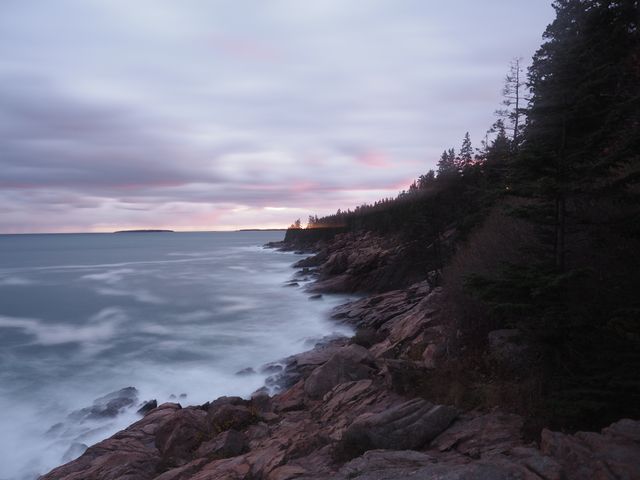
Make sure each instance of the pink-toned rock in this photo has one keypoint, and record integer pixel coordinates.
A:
(258, 432)
(342, 395)
(181, 435)
(291, 399)
(228, 416)
(128, 455)
(394, 465)
(432, 355)
(184, 472)
(406, 464)
(236, 468)
(264, 460)
(220, 401)
(333, 284)
(341, 399)
(407, 326)
(348, 364)
(412, 330)
(409, 425)
(316, 356)
(261, 402)
(359, 261)
(348, 401)
(385, 461)
(612, 454)
(301, 365)
(226, 444)
(479, 435)
(625, 430)
(287, 472)
(374, 311)
(532, 460)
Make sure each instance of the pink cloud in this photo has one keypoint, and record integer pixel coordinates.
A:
(374, 158)
(244, 48)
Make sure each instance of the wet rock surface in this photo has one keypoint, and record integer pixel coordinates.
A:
(614, 453)
(346, 410)
(347, 364)
(360, 428)
(108, 406)
(409, 425)
(365, 262)
(147, 406)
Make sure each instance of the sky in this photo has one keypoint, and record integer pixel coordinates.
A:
(219, 115)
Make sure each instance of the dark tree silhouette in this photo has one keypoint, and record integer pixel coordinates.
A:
(514, 100)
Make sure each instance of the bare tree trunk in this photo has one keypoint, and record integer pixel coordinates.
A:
(517, 111)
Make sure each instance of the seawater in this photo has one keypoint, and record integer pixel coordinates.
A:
(174, 315)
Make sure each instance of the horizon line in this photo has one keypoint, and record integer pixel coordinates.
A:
(142, 229)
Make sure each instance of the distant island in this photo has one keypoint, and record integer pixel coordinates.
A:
(144, 231)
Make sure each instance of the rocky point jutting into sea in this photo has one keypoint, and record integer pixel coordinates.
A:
(367, 407)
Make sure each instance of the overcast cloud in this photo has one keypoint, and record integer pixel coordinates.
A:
(202, 115)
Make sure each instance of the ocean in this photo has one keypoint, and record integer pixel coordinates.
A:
(174, 315)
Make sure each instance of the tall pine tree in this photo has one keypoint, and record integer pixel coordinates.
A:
(465, 157)
(447, 164)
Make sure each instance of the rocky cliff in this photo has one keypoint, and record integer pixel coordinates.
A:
(358, 408)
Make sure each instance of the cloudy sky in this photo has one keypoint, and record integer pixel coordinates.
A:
(215, 115)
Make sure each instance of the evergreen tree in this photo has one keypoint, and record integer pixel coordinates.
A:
(465, 157)
(582, 138)
(576, 174)
(514, 100)
(497, 159)
(312, 222)
(296, 225)
(447, 163)
(426, 180)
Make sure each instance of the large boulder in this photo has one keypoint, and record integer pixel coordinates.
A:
(375, 310)
(409, 333)
(477, 434)
(410, 465)
(228, 416)
(386, 463)
(301, 365)
(407, 426)
(181, 435)
(612, 454)
(184, 472)
(108, 406)
(227, 444)
(128, 455)
(346, 365)
(358, 261)
(147, 406)
(337, 263)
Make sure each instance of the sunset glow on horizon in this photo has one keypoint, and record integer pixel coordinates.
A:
(205, 116)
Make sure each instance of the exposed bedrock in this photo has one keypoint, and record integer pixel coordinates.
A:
(347, 364)
(364, 262)
(409, 425)
(351, 409)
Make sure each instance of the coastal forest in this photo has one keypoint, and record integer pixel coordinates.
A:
(538, 227)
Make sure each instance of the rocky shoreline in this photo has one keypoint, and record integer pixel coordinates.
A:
(357, 408)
